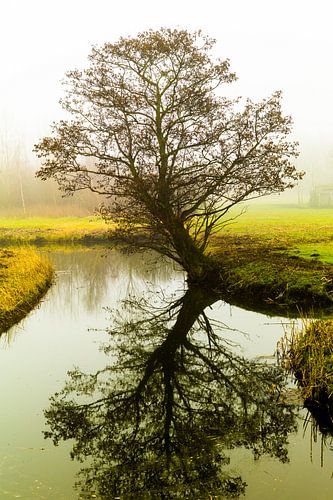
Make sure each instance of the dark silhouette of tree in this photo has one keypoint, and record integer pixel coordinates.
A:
(157, 421)
(151, 130)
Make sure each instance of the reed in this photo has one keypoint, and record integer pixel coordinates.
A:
(308, 353)
(25, 275)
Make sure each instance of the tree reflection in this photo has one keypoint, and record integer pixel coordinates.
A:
(92, 272)
(320, 419)
(156, 422)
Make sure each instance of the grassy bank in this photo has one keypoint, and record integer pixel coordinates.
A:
(24, 278)
(278, 259)
(39, 230)
(273, 258)
(308, 354)
(261, 277)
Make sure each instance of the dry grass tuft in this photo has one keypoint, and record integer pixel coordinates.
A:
(25, 275)
(308, 354)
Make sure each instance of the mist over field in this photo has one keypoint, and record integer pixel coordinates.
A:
(155, 314)
(271, 47)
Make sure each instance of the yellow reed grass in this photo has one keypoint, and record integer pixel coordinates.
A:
(308, 353)
(25, 275)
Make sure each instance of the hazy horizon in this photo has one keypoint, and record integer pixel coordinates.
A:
(271, 46)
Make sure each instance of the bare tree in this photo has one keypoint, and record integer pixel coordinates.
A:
(151, 131)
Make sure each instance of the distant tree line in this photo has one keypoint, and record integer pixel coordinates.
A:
(23, 195)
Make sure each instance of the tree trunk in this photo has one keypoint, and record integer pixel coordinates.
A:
(22, 193)
(197, 265)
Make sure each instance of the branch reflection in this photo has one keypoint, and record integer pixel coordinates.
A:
(156, 422)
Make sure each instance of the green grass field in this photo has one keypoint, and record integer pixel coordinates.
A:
(306, 232)
(303, 231)
(280, 224)
(259, 250)
(58, 229)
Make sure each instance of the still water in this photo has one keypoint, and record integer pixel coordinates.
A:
(67, 330)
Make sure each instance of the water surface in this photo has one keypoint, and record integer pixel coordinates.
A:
(65, 331)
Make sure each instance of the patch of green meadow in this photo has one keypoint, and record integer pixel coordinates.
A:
(278, 258)
(303, 231)
(280, 254)
(299, 228)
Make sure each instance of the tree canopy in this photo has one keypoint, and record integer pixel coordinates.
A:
(151, 130)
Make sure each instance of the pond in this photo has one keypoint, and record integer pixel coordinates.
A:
(67, 330)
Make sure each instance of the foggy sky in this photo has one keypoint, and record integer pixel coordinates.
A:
(272, 45)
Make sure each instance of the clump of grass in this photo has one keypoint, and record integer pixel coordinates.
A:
(25, 275)
(308, 354)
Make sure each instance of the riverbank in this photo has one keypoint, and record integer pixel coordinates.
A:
(25, 276)
(262, 276)
(279, 259)
(275, 259)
